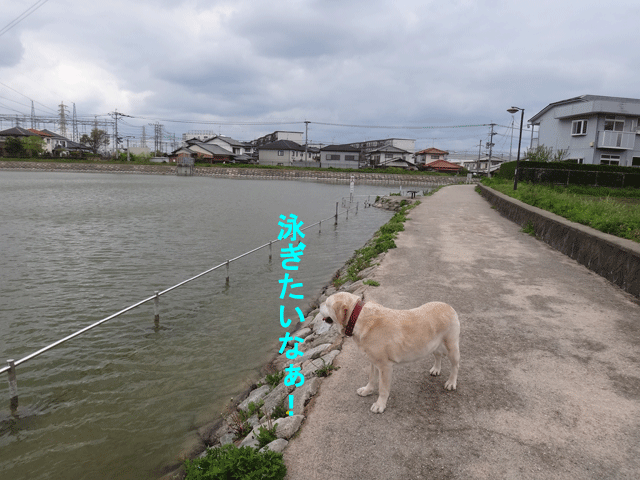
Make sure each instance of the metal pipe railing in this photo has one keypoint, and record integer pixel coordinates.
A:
(12, 364)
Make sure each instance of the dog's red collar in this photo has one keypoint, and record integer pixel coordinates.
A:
(353, 318)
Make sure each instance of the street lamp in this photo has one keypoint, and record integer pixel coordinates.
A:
(513, 110)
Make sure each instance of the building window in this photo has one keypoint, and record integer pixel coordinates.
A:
(281, 153)
(349, 157)
(574, 160)
(579, 127)
(435, 157)
(606, 159)
(614, 123)
(635, 162)
(333, 157)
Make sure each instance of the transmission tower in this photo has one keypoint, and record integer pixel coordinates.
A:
(63, 119)
(75, 125)
(157, 134)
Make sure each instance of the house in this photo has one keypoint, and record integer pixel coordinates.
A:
(429, 155)
(62, 145)
(371, 145)
(53, 143)
(341, 156)
(15, 132)
(286, 153)
(389, 156)
(203, 152)
(593, 129)
(443, 166)
(229, 144)
(297, 137)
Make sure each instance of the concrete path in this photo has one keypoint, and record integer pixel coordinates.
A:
(549, 384)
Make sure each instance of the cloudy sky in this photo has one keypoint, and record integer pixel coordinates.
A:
(355, 69)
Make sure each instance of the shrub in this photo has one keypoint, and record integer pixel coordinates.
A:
(326, 370)
(265, 436)
(229, 462)
(279, 412)
(274, 379)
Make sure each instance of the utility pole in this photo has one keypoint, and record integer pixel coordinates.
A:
(306, 139)
(511, 144)
(490, 145)
(115, 115)
(144, 137)
(479, 153)
(33, 115)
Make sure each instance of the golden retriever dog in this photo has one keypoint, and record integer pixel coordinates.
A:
(390, 336)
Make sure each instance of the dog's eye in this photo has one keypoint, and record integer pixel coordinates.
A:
(328, 320)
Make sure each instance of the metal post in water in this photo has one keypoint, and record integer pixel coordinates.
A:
(320, 227)
(13, 387)
(270, 250)
(348, 212)
(227, 272)
(336, 222)
(357, 207)
(156, 309)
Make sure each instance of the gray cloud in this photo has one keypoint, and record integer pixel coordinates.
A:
(408, 62)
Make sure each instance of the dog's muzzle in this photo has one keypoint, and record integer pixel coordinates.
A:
(328, 319)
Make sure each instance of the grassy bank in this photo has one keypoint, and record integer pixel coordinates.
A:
(613, 211)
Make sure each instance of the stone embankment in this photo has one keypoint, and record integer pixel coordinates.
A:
(321, 344)
(231, 172)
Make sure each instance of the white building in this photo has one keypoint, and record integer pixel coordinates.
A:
(593, 129)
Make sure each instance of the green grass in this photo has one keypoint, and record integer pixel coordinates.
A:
(229, 462)
(274, 379)
(604, 209)
(382, 241)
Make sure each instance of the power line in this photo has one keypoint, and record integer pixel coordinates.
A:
(399, 127)
(25, 96)
(22, 16)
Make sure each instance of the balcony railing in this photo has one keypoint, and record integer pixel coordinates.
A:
(612, 139)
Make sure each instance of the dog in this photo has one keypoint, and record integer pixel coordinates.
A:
(390, 336)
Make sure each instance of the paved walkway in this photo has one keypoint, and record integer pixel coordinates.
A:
(549, 383)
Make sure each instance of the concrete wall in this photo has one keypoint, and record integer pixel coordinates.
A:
(616, 259)
(231, 172)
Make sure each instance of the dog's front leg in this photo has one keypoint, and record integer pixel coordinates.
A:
(370, 387)
(384, 387)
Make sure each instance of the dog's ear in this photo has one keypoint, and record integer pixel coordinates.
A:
(341, 310)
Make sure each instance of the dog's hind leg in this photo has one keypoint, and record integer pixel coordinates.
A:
(370, 387)
(437, 366)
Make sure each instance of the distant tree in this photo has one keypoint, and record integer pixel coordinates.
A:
(32, 145)
(546, 154)
(560, 155)
(13, 147)
(539, 154)
(97, 139)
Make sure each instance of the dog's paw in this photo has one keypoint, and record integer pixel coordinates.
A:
(364, 391)
(378, 407)
(449, 385)
(434, 371)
